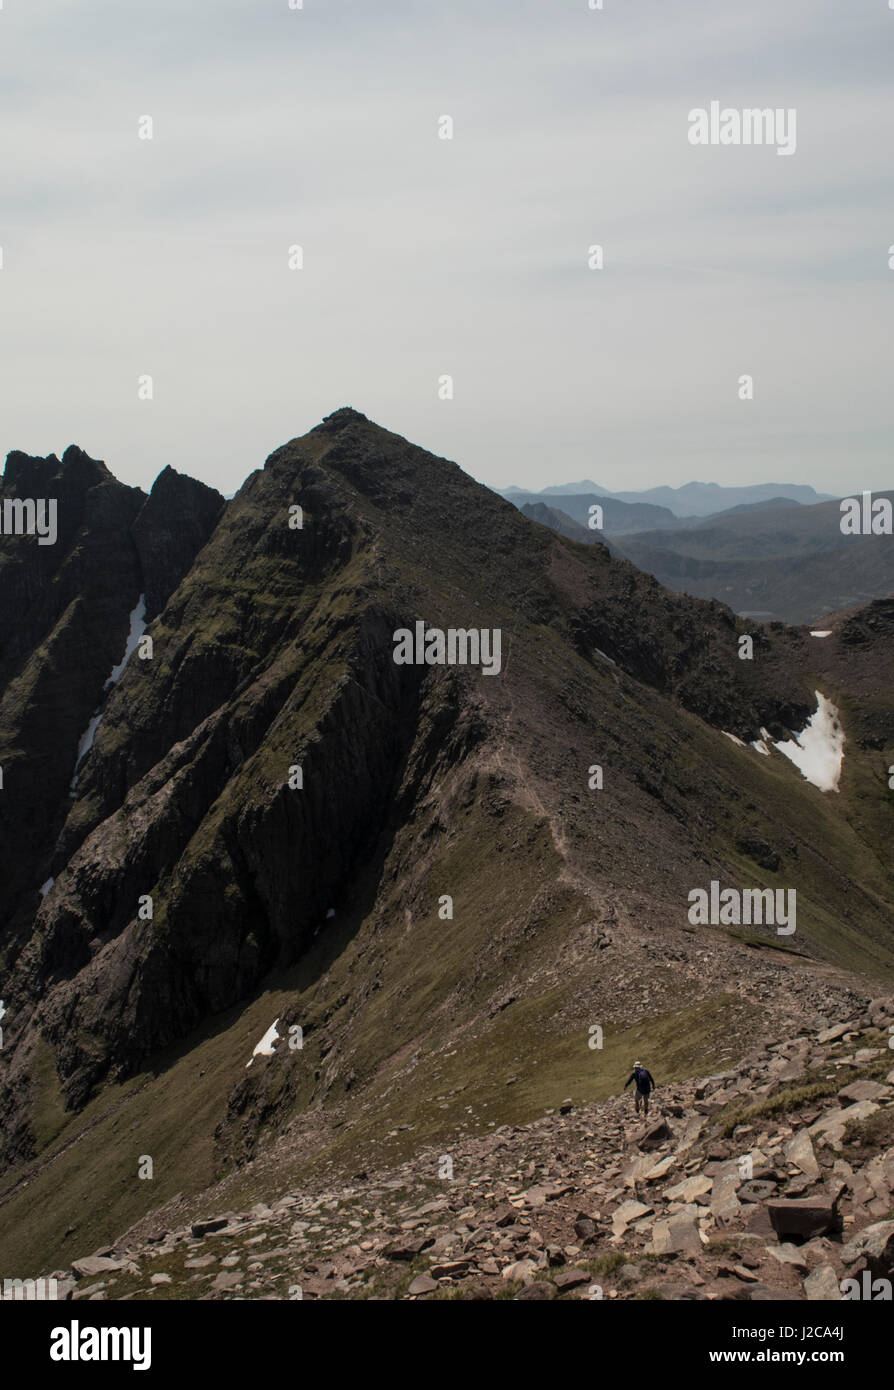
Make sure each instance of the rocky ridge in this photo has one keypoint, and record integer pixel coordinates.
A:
(771, 1180)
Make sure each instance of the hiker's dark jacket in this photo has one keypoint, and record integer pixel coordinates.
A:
(643, 1079)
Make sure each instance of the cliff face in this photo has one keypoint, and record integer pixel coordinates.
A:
(442, 851)
(170, 529)
(63, 622)
(65, 615)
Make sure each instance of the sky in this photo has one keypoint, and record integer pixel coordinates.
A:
(467, 258)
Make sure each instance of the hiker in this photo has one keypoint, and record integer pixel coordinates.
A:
(644, 1084)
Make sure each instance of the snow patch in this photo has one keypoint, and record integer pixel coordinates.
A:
(45, 887)
(265, 1047)
(85, 744)
(137, 628)
(760, 747)
(827, 633)
(604, 657)
(734, 739)
(818, 750)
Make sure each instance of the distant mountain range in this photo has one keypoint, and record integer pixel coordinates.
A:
(773, 559)
(690, 500)
(792, 564)
(618, 518)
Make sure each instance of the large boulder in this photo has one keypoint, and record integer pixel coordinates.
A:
(805, 1217)
(863, 1090)
(830, 1035)
(93, 1265)
(653, 1135)
(208, 1225)
(690, 1188)
(678, 1235)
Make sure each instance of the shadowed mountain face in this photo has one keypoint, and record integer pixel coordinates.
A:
(413, 862)
(64, 620)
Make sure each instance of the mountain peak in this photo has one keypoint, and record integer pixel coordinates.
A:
(32, 474)
(345, 415)
(586, 485)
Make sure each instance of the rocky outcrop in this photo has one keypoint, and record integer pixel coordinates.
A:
(170, 529)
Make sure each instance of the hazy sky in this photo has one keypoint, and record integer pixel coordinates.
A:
(422, 257)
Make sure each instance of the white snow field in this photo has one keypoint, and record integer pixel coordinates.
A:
(818, 750)
(265, 1047)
